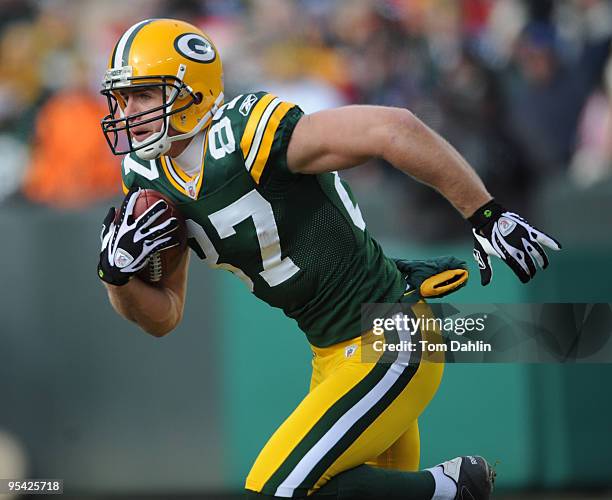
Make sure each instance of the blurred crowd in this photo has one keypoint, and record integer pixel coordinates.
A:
(523, 89)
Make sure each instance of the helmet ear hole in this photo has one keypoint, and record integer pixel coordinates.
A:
(198, 98)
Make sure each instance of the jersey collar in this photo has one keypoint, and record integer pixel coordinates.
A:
(188, 185)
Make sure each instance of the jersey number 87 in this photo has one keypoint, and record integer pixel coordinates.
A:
(276, 270)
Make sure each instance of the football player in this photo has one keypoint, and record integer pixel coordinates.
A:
(257, 182)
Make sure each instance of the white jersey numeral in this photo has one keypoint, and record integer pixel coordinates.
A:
(276, 270)
(221, 139)
(353, 210)
(130, 165)
(212, 256)
(253, 205)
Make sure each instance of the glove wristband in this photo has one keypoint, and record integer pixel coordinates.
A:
(107, 278)
(485, 214)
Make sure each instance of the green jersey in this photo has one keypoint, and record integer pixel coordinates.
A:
(297, 241)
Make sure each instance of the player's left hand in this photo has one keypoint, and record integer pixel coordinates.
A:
(433, 278)
(511, 238)
(128, 241)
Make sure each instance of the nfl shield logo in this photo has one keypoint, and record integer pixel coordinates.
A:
(350, 350)
(191, 190)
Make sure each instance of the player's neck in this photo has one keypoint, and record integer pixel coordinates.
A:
(189, 158)
(177, 148)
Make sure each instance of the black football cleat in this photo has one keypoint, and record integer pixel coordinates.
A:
(473, 476)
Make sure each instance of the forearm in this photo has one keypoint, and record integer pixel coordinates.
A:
(345, 137)
(415, 149)
(156, 310)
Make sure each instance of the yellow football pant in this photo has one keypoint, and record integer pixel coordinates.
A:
(356, 412)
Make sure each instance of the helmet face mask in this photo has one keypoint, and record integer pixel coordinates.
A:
(175, 57)
(117, 122)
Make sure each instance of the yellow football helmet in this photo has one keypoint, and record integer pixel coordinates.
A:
(176, 57)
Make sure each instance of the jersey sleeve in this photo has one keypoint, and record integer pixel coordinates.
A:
(268, 127)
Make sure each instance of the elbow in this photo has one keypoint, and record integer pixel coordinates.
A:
(402, 129)
(405, 122)
(162, 326)
(159, 330)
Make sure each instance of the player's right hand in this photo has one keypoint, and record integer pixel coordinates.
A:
(508, 236)
(128, 241)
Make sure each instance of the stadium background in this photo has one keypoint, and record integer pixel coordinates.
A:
(522, 89)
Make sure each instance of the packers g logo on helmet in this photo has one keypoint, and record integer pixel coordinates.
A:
(195, 47)
(177, 58)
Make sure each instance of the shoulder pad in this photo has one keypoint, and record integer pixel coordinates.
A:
(253, 122)
(239, 106)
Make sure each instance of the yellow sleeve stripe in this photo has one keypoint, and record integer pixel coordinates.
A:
(251, 126)
(124, 187)
(267, 139)
(259, 132)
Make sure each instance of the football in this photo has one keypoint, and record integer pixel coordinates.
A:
(165, 261)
